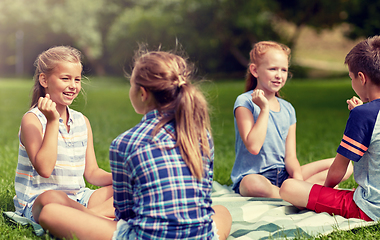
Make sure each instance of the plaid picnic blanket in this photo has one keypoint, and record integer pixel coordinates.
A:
(266, 218)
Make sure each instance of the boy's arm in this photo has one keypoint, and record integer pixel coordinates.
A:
(93, 174)
(337, 171)
(253, 134)
(292, 164)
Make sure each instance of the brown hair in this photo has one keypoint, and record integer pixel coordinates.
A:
(365, 57)
(46, 62)
(258, 50)
(167, 77)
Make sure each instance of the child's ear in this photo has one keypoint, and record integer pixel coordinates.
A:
(363, 78)
(144, 94)
(253, 70)
(43, 80)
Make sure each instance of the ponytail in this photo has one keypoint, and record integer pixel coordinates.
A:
(167, 77)
(191, 116)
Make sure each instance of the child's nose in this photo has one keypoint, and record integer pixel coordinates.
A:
(72, 83)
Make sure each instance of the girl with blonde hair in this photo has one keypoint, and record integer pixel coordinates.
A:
(56, 147)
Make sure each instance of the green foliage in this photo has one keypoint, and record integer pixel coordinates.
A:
(363, 17)
(321, 116)
(218, 34)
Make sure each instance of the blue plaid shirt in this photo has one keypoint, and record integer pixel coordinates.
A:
(154, 190)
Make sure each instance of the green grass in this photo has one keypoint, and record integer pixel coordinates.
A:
(321, 117)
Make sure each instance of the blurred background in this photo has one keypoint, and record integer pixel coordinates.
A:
(216, 34)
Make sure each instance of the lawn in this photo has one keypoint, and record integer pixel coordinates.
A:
(321, 116)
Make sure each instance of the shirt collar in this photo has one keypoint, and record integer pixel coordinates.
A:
(70, 120)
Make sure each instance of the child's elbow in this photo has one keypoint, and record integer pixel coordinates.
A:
(45, 173)
(254, 150)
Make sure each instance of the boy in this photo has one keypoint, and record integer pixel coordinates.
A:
(360, 143)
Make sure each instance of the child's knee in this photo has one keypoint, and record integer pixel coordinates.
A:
(222, 211)
(256, 186)
(52, 196)
(223, 221)
(286, 188)
(46, 214)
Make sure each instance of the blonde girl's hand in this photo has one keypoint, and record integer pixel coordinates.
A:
(354, 102)
(48, 108)
(258, 97)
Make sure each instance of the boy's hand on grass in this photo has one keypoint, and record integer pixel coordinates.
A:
(354, 102)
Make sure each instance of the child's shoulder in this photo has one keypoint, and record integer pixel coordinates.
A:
(76, 115)
(373, 106)
(286, 104)
(244, 100)
(35, 112)
(366, 112)
(245, 95)
(283, 101)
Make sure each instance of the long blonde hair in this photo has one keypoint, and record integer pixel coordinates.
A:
(255, 55)
(167, 77)
(46, 62)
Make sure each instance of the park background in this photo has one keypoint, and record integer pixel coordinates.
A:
(217, 36)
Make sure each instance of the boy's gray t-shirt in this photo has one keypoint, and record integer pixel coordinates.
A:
(361, 144)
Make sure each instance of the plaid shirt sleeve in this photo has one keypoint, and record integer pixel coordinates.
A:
(123, 195)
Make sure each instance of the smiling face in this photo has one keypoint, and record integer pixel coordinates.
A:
(271, 72)
(63, 83)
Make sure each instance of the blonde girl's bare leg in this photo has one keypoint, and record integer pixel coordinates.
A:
(58, 197)
(101, 202)
(67, 222)
(223, 221)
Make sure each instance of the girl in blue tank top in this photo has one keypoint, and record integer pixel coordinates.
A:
(265, 129)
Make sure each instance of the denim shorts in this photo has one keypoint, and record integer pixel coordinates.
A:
(81, 198)
(276, 176)
(124, 231)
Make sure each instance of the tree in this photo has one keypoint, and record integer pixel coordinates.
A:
(319, 14)
(363, 18)
(218, 34)
(225, 31)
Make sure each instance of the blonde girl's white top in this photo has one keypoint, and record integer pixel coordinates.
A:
(68, 172)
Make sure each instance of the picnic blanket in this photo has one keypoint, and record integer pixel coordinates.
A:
(259, 218)
(265, 218)
(17, 219)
